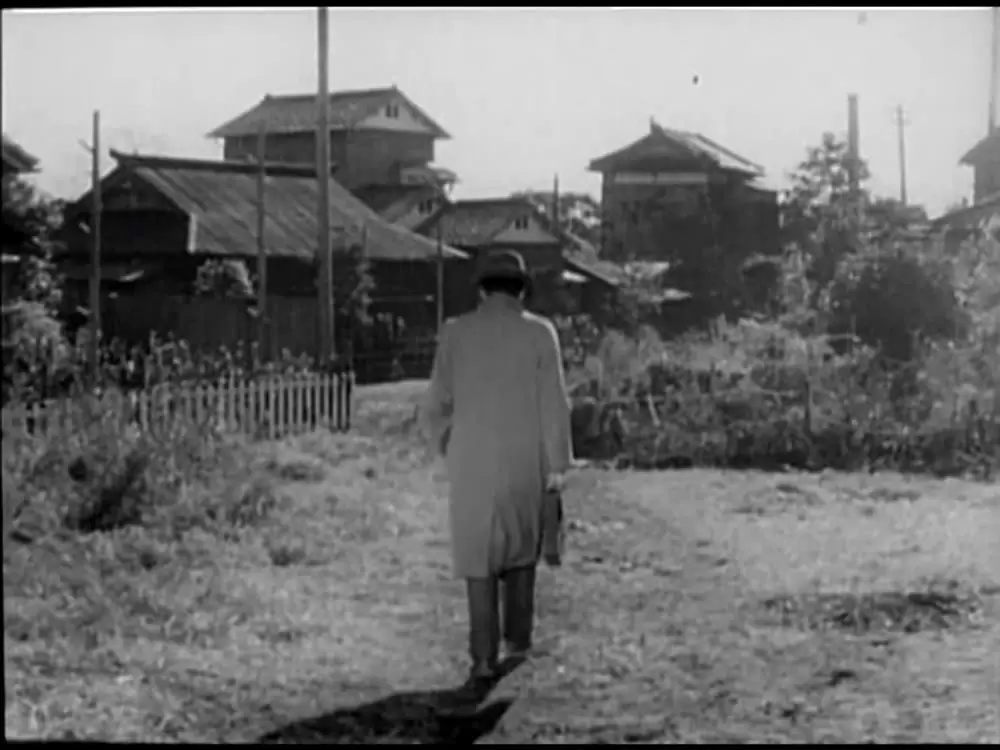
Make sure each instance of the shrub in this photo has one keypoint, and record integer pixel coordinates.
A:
(758, 395)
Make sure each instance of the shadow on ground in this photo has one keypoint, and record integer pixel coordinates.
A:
(434, 717)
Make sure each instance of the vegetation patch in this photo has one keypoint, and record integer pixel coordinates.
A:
(882, 611)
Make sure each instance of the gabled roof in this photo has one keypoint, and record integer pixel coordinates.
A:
(296, 113)
(16, 159)
(988, 149)
(220, 197)
(475, 223)
(684, 148)
(971, 217)
(392, 202)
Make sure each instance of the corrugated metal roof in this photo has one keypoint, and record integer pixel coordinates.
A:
(678, 145)
(15, 158)
(221, 198)
(296, 113)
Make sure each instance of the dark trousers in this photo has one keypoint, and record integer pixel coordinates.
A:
(517, 589)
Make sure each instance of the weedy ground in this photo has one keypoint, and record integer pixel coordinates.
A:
(694, 606)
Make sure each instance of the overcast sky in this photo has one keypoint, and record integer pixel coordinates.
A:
(525, 94)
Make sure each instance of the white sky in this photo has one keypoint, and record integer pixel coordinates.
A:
(524, 93)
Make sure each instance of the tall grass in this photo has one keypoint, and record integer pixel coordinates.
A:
(110, 533)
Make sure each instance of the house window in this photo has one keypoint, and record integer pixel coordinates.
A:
(426, 206)
(521, 222)
(392, 110)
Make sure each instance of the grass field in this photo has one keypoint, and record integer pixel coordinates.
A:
(695, 606)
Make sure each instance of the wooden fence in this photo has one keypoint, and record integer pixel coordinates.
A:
(264, 408)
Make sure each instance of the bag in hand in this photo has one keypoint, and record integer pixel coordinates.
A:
(553, 533)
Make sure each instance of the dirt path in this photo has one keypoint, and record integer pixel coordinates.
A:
(338, 620)
(654, 631)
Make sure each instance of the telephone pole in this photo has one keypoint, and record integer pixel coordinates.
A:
(326, 347)
(854, 151)
(994, 73)
(95, 248)
(901, 123)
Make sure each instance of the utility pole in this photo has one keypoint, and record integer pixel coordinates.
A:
(854, 151)
(994, 73)
(326, 348)
(901, 123)
(263, 323)
(440, 269)
(95, 248)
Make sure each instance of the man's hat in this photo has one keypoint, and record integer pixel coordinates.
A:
(505, 264)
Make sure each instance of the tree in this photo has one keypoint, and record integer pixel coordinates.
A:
(35, 351)
(225, 279)
(819, 214)
(31, 220)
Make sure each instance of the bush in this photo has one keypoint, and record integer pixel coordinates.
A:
(758, 395)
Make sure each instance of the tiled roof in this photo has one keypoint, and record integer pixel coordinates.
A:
(15, 158)
(676, 145)
(296, 113)
(392, 202)
(988, 146)
(221, 199)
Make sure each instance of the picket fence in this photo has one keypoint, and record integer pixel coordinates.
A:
(262, 408)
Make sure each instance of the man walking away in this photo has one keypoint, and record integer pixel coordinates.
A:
(498, 411)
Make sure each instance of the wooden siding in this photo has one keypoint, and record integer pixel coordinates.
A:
(362, 156)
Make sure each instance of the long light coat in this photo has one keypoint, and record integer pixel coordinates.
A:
(498, 408)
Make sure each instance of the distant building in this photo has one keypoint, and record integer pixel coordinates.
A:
(377, 136)
(984, 213)
(552, 255)
(984, 158)
(163, 217)
(673, 191)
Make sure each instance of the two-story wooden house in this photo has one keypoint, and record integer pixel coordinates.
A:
(377, 136)
(984, 212)
(673, 191)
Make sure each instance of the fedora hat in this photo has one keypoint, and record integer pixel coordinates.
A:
(505, 264)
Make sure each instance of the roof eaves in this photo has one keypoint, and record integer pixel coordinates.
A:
(17, 158)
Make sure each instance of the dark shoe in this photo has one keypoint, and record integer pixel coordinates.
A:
(516, 653)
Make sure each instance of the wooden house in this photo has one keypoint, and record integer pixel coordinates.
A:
(984, 212)
(671, 192)
(377, 136)
(406, 206)
(984, 158)
(482, 226)
(163, 217)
